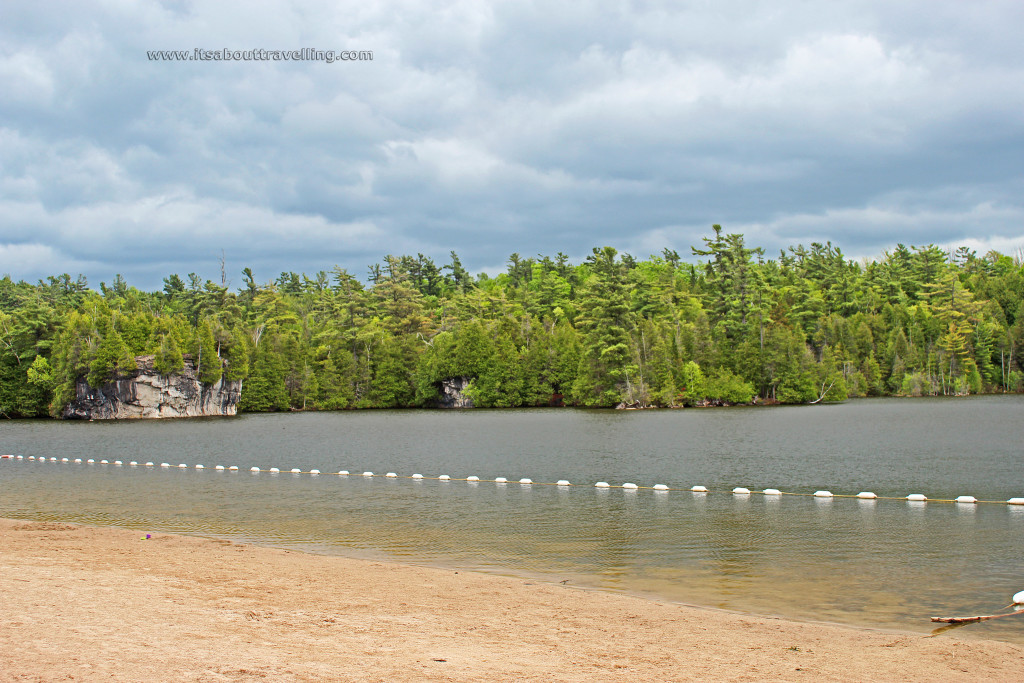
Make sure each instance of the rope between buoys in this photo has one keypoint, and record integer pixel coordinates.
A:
(660, 488)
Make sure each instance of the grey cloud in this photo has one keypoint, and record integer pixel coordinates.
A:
(500, 127)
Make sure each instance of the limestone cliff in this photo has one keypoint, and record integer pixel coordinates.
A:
(144, 393)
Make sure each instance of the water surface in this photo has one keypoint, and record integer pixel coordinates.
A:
(885, 563)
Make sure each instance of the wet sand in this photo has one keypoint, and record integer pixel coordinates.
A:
(82, 603)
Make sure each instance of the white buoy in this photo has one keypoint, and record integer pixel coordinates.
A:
(630, 485)
(343, 473)
(200, 467)
(62, 459)
(917, 498)
(772, 492)
(233, 467)
(443, 477)
(275, 470)
(500, 480)
(699, 489)
(255, 470)
(296, 470)
(1016, 501)
(417, 476)
(102, 462)
(148, 464)
(823, 494)
(78, 460)
(133, 464)
(90, 461)
(867, 495)
(391, 475)
(314, 472)
(219, 467)
(966, 499)
(31, 457)
(1018, 598)
(367, 473)
(182, 466)
(602, 485)
(118, 462)
(660, 487)
(20, 457)
(472, 477)
(524, 480)
(53, 459)
(563, 482)
(741, 491)
(163, 464)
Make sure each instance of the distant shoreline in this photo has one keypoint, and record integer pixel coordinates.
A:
(437, 409)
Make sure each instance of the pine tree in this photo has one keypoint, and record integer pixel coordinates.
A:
(168, 360)
(112, 356)
(606, 362)
(205, 355)
(264, 389)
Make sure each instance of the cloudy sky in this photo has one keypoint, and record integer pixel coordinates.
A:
(492, 128)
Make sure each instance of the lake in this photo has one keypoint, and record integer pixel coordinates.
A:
(882, 563)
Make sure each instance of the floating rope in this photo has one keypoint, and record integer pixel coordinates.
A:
(739, 492)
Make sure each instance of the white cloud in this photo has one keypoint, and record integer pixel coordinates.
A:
(26, 79)
(867, 231)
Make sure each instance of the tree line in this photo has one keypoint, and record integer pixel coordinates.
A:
(808, 326)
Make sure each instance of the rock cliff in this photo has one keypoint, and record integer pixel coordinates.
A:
(144, 393)
(453, 393)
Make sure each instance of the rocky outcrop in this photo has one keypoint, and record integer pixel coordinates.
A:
(144, 393)
(453, 393)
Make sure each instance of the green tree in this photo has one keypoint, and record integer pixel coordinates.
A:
(205, 355)
(168, 359)
(606, 365)
(113, 357)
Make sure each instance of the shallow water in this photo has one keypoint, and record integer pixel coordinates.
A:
(886, 563)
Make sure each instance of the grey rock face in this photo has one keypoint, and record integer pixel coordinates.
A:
(146, 394)
(453, 393)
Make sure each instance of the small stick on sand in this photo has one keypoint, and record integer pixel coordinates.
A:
(965, 620)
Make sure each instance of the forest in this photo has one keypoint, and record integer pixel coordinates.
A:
(730, 328)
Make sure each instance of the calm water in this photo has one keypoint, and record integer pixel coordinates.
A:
(884, 563)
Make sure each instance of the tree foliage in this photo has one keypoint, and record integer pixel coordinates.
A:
(733, 327)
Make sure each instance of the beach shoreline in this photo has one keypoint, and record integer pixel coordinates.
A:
(101, 603)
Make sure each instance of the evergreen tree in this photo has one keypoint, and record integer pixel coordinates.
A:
(206, 355)
(169, 360)
(112, 356)
(606, 365)
(264, 389)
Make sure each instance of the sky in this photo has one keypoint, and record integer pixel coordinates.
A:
(489, 128)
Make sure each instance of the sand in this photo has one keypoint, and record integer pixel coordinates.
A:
(82, 603)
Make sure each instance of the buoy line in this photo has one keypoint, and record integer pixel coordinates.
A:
(697, 490)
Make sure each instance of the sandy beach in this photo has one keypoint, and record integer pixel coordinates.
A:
(83, 603)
